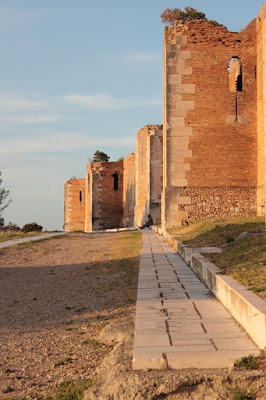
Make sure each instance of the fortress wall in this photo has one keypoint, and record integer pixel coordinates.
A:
(156, 174)
(106, 210)
(129, 190)
(74, 205)
(148, 167)
(261, 98)
(142, 167)
(210, 139)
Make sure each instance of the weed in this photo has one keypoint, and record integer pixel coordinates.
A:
(8, 371)
(94, 343)
(9, 389)
(239, 394)
(248, 363)
(65, 361)
(70, 390)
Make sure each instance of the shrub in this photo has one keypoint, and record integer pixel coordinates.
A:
(2, 223)
(10, 227)
(31, 227)
(248, 363)
(170, 16)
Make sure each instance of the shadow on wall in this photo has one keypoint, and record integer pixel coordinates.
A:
(129, 206)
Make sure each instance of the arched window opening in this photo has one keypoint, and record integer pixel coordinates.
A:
(235, 80)
(235, 75)
(115, 176)
(80, 196)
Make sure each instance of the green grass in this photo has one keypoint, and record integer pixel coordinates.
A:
(71, 390)
(238, 394)
(217, 232)
(9, 389)
(248, 363)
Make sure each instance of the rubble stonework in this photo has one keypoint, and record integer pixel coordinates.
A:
(210, 160)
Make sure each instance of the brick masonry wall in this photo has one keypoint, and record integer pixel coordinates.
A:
(261, 98)
(107, 203)
(129, 190)
(207, 142)
(74, 205)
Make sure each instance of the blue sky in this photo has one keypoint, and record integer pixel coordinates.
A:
(76, 76)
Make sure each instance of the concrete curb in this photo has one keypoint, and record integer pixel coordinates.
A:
(114, 230)
(247, 308)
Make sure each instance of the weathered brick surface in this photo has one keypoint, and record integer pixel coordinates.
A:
(211, 144)
(261, 96)
(149, 171)
(129, 190)
(74, 205)
(104, 202)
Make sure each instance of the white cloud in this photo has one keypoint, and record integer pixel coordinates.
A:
(142, 57)
(95, 101)
(15, 102)
(59, 142)
(107, 102)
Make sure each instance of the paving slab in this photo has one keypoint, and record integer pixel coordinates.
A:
(179, 324)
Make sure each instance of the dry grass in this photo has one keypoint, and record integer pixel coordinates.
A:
(4, 236)
(245, 262)
(217, 232)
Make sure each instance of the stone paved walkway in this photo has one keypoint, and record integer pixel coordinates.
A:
(179, 324)
(13, 242)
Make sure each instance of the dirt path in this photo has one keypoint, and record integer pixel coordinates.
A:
(56, 295)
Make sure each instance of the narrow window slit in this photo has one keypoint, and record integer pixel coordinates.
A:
(115, 176)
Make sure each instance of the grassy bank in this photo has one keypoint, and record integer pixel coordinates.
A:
(217, 232)
(245, 261)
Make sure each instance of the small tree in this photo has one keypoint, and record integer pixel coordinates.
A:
(171, 15)
(100, 156)
(31, 227)
(2, 223)
(4, 197)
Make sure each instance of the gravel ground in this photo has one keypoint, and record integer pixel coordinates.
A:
(56, 296)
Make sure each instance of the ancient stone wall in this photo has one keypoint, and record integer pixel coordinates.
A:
(156, 173)
(74, 205)
(129, 190)
(261, 98)
(149, 169)
(104, 195)
(210, 130)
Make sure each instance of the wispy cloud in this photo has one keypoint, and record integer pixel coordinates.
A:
(95, 101)
(103, 101)
(142, 57)
(59, 142)
(15, 102)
